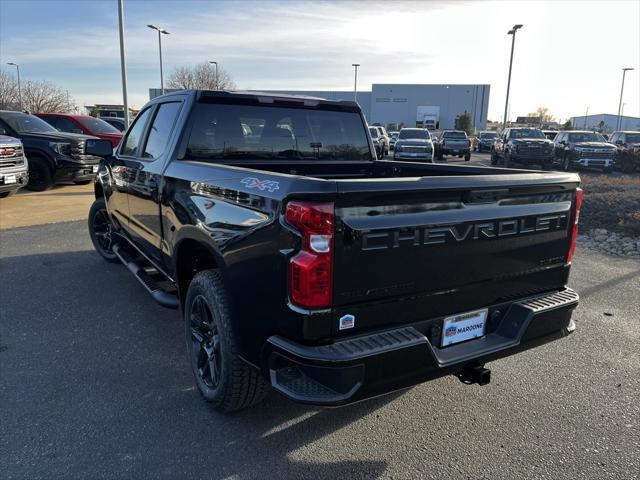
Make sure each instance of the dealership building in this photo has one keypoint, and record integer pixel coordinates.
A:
(399, 104)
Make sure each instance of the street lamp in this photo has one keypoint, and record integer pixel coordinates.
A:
(624, 72)
(513, 42)
(123, 64)
(160, 32)
(216, 64)
(355, 81)
(19, 88)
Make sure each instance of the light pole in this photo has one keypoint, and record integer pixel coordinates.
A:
(19, 87)
(585, 118)
(123, 64)
(624, 72)
(355, 81)
(216, 64)
(513, 42)
(161, 31)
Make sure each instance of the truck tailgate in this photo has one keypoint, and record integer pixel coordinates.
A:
(449, 244)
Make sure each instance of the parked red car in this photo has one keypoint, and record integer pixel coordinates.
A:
(83, 124)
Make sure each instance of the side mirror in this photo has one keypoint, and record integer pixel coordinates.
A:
(98, 147)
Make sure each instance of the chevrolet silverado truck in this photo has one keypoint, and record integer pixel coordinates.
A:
(576, 149)
(524, 146)
(54, 156)
(14, 169)
(414, 144)
(453, 142)
(628, 150)
(299, 261)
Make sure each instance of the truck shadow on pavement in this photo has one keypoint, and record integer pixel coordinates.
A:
(110, 390)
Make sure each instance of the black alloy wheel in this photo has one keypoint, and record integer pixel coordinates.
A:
(101, 230)
(205, 339)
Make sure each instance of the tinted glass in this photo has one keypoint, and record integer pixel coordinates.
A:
(67, 125)
(414, 133)
(25, 123)
(130, 145)
(119, 124)
(161, 129)
(527, 133)
(454, 135)
(228, 132)
(632, 137)
(586, 137)
(374, 132)
(488, 134)
(97, 125)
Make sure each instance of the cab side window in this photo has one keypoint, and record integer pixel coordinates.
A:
(161, 129)
(131, 144)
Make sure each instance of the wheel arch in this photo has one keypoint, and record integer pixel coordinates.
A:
(191, 255)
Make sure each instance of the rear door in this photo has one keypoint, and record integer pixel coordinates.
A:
(449, 244)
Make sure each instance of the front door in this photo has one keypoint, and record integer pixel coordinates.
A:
(144, 178)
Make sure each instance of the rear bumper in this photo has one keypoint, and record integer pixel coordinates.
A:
(455, 151)
(365, 366)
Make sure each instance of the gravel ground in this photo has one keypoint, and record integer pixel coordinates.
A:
(94, 383)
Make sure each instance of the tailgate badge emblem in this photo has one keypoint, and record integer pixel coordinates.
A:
(347, 321)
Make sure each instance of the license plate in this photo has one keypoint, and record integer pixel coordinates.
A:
(95, 169)
(463, 326)
(9, 179)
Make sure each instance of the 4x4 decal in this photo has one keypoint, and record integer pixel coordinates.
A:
(269, 185)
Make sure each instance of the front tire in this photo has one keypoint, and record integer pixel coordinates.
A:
(223, 379)
(82, 182)
(467, 156)
(40, 175)
(8, 194)
(101, 230)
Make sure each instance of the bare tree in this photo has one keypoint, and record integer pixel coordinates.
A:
(201, 77)
(37, 96)
(8, 92)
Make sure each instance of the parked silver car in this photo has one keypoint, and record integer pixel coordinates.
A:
(14, 169)
(414, 144)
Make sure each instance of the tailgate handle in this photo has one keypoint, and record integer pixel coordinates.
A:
(485, 196)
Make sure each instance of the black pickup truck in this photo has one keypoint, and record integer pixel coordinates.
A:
(53, 156)
(299, 261)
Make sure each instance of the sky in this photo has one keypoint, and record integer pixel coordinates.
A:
(568, 56)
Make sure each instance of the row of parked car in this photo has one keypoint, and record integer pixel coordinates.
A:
(567, 149)
(55, 145)
(418, 144)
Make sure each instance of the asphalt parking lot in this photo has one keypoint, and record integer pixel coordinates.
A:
(94, 383)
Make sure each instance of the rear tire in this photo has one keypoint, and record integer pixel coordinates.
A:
(101, 230)
(82, 182)
(40, 175)
(8, 194)
(467, 156)
(494, 158)
(223, 379)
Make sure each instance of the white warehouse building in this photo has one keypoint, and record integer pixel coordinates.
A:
(404, 103)
(605, 121)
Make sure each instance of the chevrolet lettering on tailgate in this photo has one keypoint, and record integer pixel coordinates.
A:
(416, 236)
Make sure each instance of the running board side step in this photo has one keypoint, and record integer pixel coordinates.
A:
(162, 297)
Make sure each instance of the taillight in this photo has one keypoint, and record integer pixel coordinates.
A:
(311, 270)
(574, 227)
